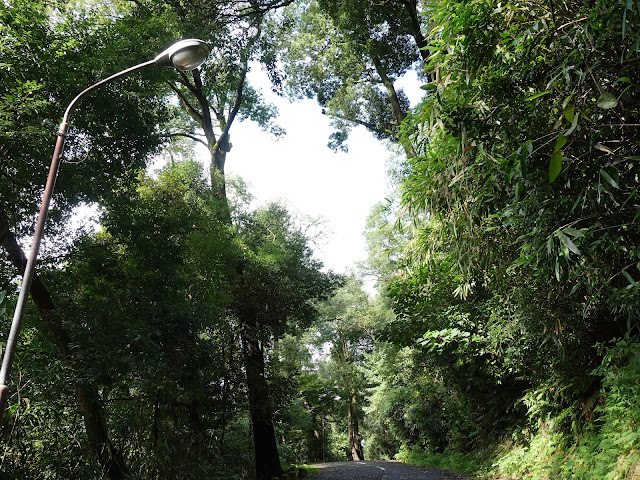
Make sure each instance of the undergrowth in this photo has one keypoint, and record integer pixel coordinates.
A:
(469, 463)
(607, 447)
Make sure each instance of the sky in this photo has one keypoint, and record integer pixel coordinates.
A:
(299, 168)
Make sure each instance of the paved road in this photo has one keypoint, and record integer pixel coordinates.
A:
(380, 471)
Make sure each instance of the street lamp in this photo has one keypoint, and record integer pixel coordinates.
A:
(183, 55)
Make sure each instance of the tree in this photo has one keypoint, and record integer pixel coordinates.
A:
(347, 326)
(221, 94)
(218, 93)
(165, 347)
(348, 55)
(278, 285)
(214, 99)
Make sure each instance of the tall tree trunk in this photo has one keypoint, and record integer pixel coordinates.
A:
(264, 437)
(110, 459)
(222, 422)
(398, 112)
(324, 453)
(354, 429)
(107, 455)
(411, 7)
(218, 182)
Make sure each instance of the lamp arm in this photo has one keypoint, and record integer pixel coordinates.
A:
(27, 278)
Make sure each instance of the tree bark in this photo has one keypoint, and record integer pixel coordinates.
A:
(354, 429)
(416, 29)
(264, 437)
(110, 459)
(398, 113)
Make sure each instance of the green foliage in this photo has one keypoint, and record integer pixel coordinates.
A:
(456, 462)
(603, 449)
(166, 259)
(519, 254)
(145, 306)
(405, 404)
(295, 391)
(42, 433)
(281, 280)
(3, 306)
(512, 269)
(347, 55)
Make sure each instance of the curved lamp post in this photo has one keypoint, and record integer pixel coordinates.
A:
(183, 55)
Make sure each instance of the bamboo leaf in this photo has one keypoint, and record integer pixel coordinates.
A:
(631, 195)
(555, 166)
(602, 148)
(574, 124)
(609, 180)
(537, 95)
(566, 241)
(629, 278)
(568, 112)
(561, 142)
(575, 288)
(574, 233)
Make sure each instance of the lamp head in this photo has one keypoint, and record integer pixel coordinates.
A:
(184, 55)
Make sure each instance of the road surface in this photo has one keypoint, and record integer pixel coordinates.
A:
(380, 471)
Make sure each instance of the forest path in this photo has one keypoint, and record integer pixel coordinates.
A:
(380, 471)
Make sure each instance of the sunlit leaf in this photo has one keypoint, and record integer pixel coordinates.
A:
(537, 95)
(602, 148)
